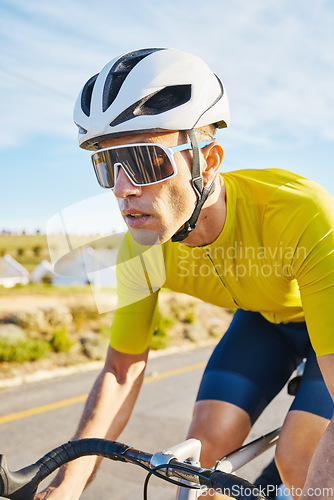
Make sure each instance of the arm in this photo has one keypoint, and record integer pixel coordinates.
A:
(107, 410)
(115, 391)
(320, 479)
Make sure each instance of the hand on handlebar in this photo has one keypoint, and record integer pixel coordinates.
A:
(26, 480)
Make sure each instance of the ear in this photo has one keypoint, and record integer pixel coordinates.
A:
(213, 156)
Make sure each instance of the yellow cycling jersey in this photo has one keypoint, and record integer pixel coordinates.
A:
(275, 255)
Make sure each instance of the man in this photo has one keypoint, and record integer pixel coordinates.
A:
(257, 240)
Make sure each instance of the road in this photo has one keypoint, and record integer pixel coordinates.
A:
(160, 419)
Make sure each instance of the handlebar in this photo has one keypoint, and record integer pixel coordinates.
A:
(23, 484)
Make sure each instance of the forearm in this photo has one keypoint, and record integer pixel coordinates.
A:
(106, 413)
(320, 479)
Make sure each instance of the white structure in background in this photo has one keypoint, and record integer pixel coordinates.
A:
(42, 271)
(12, 272)
(85, 265)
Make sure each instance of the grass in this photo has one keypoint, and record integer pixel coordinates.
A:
(12, 242)
(44, 289)
(23, 350)
(29, 249)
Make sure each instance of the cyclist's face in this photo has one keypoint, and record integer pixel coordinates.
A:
(155, 212)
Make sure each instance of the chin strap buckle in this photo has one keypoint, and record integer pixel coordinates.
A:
(183, 233)
(197, 183)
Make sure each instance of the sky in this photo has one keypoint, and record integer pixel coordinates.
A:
(275, 57)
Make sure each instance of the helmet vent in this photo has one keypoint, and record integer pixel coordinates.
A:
(86, 95)
(159, 102)
(118, 72)
(166, 99)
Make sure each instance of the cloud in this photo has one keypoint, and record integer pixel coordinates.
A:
(275, 59)
(279, 70)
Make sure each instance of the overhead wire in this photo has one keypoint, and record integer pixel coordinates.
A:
(35, 83)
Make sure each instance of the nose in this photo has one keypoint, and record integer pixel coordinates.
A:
(124, 187)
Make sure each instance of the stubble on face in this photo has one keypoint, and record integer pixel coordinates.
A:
(169, 207)
(169, 204)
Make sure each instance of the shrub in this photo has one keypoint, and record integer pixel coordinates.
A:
(12, 332)
(81, 315)
(23, 350)
(37, 250)
(104, 330)
(59, 316)
(60, 341)
(164, 324)
(47, 280)
(159, 342)
(189, 317)
(43, 319)
(30, 320)
(94, 346)
(160, 339)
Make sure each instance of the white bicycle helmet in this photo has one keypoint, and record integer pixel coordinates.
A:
(153, 90)
(149, 90)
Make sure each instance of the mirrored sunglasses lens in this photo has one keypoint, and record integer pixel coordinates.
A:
(104, 174)
(143, 164)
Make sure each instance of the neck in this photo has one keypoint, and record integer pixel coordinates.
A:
(211, 220)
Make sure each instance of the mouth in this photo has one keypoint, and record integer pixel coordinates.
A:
(136, 219)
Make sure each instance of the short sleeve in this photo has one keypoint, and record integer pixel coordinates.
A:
(140, 273)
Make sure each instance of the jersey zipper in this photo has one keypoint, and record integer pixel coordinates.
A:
(222, 281)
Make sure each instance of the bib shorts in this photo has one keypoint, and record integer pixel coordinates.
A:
(255, 359)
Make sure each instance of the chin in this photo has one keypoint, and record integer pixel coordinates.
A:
(146, 237)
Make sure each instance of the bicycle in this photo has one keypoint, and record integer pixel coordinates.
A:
(23, 484)
(179, 465)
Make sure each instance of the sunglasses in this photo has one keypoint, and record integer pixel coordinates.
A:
(143, 163)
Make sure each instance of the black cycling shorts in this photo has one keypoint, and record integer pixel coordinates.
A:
(254, 360)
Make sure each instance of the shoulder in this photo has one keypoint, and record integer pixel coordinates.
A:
(278, 187)
(259, 185)
(304, 196)
(267, 178)
(301, 214)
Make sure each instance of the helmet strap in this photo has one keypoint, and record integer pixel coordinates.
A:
(202, 192)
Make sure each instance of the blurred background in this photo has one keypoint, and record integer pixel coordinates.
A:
(275, 59)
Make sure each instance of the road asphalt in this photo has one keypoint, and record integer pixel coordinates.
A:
(36, 417)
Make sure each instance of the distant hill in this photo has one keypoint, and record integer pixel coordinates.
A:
(29, 249)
